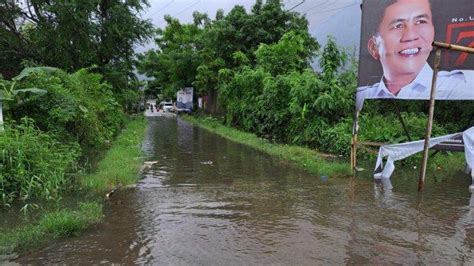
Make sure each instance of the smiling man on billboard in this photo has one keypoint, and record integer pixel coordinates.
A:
(402, 42)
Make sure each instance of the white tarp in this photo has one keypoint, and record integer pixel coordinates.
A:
(395, 152)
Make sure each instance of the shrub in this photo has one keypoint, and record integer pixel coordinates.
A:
(388, 129)
(378, 128)
(77, 107)
(337, 139)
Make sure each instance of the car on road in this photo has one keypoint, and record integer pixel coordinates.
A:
(167, 106)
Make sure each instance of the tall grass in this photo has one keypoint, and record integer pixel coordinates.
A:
(33, 164)
(306, 158)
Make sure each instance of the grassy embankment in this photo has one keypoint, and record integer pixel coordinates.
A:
(120, 166)
(306, 158)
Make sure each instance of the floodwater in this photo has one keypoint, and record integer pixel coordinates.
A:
(209, 201)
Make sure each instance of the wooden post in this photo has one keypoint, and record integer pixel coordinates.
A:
(354, 153)
(355, 129)
(421, 182)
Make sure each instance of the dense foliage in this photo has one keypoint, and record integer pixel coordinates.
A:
(55, 119)
(72, 35)
(78, 106)
(193, 54)
(287, 101)
(55, 116)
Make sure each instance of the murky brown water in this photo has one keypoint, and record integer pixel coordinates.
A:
(209, 201)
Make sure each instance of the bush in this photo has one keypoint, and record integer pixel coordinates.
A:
(337, 139)
(77, 107)
(388, 129)
(377, 128)
(287, 102)
(239, 96)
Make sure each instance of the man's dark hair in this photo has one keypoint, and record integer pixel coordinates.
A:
(377, 8)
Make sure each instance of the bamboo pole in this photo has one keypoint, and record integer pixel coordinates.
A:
(355, 129)
(455, 47)
(354, 153)
(421, 182)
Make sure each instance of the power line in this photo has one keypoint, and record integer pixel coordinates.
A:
(163, 8)
(182, 11)
(302, 1)
(327, 19)
(332, 9)
(321, 5)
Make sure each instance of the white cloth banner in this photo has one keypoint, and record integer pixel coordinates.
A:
(395, 152)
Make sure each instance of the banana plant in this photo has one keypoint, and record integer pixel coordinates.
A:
(9, 91)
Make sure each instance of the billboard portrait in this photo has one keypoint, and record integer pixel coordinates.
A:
(396, 52)
(184, 98)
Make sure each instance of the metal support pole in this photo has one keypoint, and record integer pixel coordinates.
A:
(421, 182)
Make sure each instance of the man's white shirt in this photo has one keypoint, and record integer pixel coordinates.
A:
(452, 85)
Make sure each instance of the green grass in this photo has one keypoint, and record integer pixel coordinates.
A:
(122, 162)
(306, 158)
(52, 226)
(120, 165)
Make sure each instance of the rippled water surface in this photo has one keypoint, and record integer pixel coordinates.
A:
(210, 201)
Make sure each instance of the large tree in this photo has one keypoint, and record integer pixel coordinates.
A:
(71, 35)
(174, 63)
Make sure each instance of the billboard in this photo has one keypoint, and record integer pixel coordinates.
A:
(396, 52)
(184, 98)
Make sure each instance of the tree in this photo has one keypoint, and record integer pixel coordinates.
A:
(240, 31)
(175, 62)
(287, 55)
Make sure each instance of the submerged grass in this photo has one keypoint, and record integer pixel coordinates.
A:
(120, 165)
(306, 158)
(51, 226)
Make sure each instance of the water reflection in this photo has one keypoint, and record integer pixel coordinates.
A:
(210, 201)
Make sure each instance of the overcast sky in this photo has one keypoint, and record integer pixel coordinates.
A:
(323, 15)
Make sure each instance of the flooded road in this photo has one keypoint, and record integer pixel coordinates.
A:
(209, 201)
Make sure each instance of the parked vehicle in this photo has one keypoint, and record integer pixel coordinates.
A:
(166, 106)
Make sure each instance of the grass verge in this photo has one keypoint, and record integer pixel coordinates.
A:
(120, 165)
(122, 162)
(306, 158)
